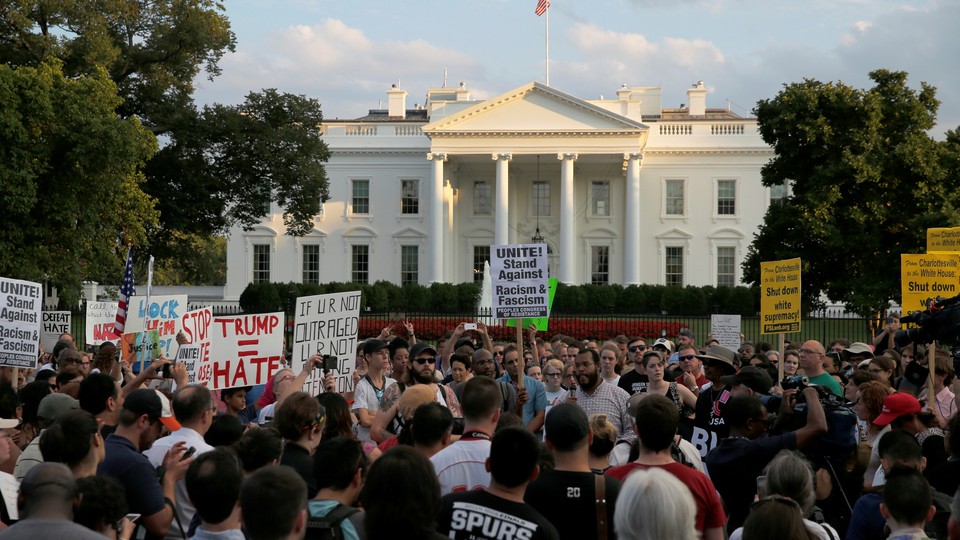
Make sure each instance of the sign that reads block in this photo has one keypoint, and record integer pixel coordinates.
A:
(519, 279)
(780, 297)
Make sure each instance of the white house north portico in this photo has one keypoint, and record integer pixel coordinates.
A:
(620, 190)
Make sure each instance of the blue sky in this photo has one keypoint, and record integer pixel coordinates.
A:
(348, 53)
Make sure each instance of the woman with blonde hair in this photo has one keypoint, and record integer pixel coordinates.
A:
(604, 439)
(655, 504)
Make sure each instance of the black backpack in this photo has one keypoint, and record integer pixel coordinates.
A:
(329, 526)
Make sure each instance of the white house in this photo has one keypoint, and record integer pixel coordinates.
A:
(621, 190)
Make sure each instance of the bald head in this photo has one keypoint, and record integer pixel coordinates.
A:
(811, 358)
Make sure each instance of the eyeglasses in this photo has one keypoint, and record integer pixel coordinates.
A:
(286, 378)
(686, 357)
(875, 370)
(552, 374)
(498, 353)
(637, 348)
(809, 351)
(425, 359)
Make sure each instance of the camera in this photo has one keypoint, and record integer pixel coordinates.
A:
(330, 363)
(165, 372)
(940, 321)
(798, 382)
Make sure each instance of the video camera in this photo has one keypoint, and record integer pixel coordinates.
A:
(940, 321)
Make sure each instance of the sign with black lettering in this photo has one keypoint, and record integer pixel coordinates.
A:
(19, 322)
(55, 324)
(519, 279)
(191, 357)
(327, 324)
(100, 318)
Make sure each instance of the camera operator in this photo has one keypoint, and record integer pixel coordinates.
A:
(738, 460)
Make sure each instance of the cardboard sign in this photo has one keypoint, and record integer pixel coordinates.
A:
(943, 240)
(780, 297)
(519, 278)
(55, 324)
(163, 315)
(196, 327)
(100, 317)
(132, 343)
(542, 323)
(190, 356)
(20, 304)
(924, 277)
(726, 329)
(245, 349)
(327, 324)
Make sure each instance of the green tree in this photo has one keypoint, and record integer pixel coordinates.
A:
(866, 180)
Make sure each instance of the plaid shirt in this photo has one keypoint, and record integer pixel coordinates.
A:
(611, 400)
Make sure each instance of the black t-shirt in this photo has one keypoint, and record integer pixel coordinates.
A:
(478, 515)
(633, 382)
(709, 426)
(297, 457)
(568, 500)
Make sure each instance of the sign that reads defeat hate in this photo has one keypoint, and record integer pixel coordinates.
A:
(19, 323)
(780, 296)
(927, 276)
(519, 276)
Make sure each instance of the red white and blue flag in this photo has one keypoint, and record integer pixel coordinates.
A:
(542, 6)
(126, 292)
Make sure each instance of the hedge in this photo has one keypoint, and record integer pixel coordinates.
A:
(450, 298)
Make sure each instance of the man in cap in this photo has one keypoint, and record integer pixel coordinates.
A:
(369, 391)
(812, 354)
(663, 345)
(708, 424)
(566, 495)
(144, 414)
(48, 496)
(901, 411)
(51, 408)
(749, 381)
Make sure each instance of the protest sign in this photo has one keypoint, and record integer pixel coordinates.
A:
(55, 324)
(519, 278)
(133, 342)
(245, 350)
(190, 356)
(196, 328)
(162, 315)
(943, 240)
(726, 328)
(780, 297)
(327, 324)
(20, 303)
(926, 276)
(542, 323)
(100, 318)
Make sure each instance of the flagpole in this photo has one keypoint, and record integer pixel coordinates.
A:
(146, 316)
(547, 23)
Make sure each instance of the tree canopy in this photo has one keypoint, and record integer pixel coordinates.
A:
(866, 181)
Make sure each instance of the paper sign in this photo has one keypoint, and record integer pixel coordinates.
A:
(726, 329)
(780, 297)
(55, 324)
(132, 343)
(100, 319)
(943, 240)
(163, 315)
(327, 324)
(519, 278)
(190, 356)
(245, 350)
(196, 328)
(543, 323)
(924, 277)
(20, 303)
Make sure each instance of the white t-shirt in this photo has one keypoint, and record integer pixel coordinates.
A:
(155, 454)
(365, 397)
(823, 531)
(462, 466)
(265, 413)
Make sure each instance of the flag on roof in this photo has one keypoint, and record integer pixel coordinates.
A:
(542, 6)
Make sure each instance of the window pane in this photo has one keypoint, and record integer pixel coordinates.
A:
(410, 197)
(409, 265)
(481, 254)
(482, 199)
(361, 264)
(541, 199)
(261, 263)
(674, 266)
(600, 264)
(361, 196)
(778, 193)
(601, 198)
(311, 264)
(674, 198)
(726, 197)
(726, 269)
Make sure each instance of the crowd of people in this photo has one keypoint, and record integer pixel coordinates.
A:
(570, 437)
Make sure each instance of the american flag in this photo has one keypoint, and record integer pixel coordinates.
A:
(126, 291)
(542, 6)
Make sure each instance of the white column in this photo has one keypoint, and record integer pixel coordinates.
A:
(501, 221)
(631, 237)
(567, 224)
(436, 217)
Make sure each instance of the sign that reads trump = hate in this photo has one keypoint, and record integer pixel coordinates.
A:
(519, 273)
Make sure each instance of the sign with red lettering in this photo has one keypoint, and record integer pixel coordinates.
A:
(196, 328)
(163, 315)
(327, 324)
(245, 349)
(99, 322)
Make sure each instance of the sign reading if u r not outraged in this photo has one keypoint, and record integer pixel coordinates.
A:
(520, 287)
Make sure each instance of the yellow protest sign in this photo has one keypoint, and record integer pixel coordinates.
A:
(780, 297)
(924, 277)
(943, 240)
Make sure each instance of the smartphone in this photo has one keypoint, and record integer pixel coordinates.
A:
(132, 517)
(189, 453)
(469, 326)
(889, 319)
(330, 362)
(761, 486)
(165, 372)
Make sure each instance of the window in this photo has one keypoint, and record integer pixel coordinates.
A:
(311, 263)
(600, 265)
(409, 265)
(541, 199)
(264, 190)
(482, 198)
(673, 199)
(361, 197)
(360, 264)
(481, 255)
(410, 197)
(778, 193)
(726, 266)
(726, 197)
(261, 263)
(673, 271)
(600, 195)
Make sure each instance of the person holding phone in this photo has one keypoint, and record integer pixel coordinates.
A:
(884, 338)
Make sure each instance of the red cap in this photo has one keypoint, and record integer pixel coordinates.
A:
(896, 405)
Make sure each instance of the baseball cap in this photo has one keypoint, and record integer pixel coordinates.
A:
(152, 403)
(371, 346)
(566, 424)
(752, 377)
(896, 405)
(665, 343)
(421, 347)
(52, 406)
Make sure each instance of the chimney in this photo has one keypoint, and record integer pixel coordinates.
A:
(462, 93)
(396, 102)
(697, 96)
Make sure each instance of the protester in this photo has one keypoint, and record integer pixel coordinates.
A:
(907, 504)
(284, 492)
(776, 517)
(51, 408)
(812, 354)
(339, 423)
(258, 448)
(461, 466)
(224, 430)
(339, 468)
(213, 483)
(634, 380)
(655, 504)
(235, 404)
(401, 496)
(944, 405)
(369, 391)
(103, 507)
(603, 439)
(300, 420)
(431, 428)
(709, 426)
(284, 383)
(598, 396)
(75, 441)
(532, 399)
(609, 356)
(654, 365)
(100, 396)
(48, 495)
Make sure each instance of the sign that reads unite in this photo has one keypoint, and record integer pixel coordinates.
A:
(520, 287)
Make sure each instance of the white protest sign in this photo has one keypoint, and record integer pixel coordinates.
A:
(327, 324)
(520, 287)
(100, 319)
(190, 356)
(163, 315)
(726, 328)
(245, 350)
(20, 303)
(55, 324)
(196, 328)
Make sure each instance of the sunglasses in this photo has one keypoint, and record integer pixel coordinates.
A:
(425, 360)
(686, 357)
(637, 348)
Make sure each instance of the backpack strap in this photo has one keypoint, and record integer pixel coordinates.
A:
(600, 483)
(332, 520)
